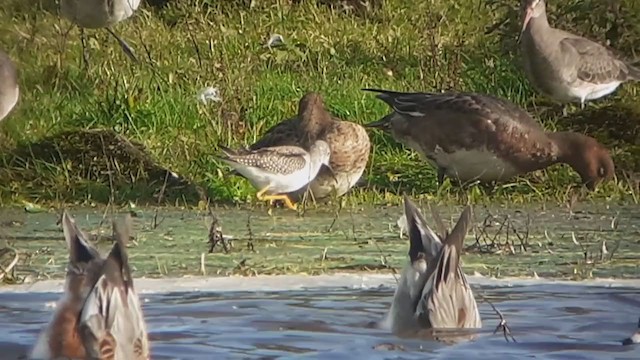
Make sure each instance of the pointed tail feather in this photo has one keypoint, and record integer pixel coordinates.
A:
(457, 235)
(118, 254)
(421, 237)
(385, 95)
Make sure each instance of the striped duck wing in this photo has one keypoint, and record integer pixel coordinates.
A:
(430, 105)
(278, 159)
(423, 242)
(447, 300)
(112, 324)
(595, 63)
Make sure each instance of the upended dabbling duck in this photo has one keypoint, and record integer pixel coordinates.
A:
(433, 292)
(349, 143)
(99, 315)
(567, 67)
(469, 136)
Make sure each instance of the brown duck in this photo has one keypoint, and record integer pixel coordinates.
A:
(469, 136)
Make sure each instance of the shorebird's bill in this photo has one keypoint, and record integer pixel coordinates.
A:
(333, 174)
(527, 17)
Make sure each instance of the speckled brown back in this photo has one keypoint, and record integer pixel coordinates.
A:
(282, 159)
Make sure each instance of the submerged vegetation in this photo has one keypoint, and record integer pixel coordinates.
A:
(552, 242)
(334, 47)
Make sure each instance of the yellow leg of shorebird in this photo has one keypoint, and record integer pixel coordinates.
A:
(283, 197)
(260, 194)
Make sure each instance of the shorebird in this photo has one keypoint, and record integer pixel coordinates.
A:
(349, 143)
(97, 14)
(278, 170)
(99, 315)
(469, 136)
(633, 339)
(433, 292)
(568, 67)
(9, 90)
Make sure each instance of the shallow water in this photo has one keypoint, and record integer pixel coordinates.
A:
(359, 239)
(549, 321)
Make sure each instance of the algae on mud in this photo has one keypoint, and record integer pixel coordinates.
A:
(363, 239)
(395, 44)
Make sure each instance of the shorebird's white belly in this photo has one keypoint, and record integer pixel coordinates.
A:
(7, 101)
(588, 91)
(278, 183)
(95, 14)
(467, 165)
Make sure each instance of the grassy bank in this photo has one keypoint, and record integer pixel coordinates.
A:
(188, 45)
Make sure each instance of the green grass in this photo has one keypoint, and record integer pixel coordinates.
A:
(187, 45)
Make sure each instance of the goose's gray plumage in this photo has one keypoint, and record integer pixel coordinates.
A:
(567, 67)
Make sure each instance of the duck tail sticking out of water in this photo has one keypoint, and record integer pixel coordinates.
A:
(424, 246)
(633, 339)
(99, 315)
(447, 299)
(111, 322)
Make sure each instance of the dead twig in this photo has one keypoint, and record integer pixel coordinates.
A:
(155, 223)
(215, 234)
(250, 246)
(4, 271)
(502, 325)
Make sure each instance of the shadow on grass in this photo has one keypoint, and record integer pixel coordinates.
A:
(99, 164)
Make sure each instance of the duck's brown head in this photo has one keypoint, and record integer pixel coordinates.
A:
(590, 159)
(314, 117)
(85, 263)
(530, 9)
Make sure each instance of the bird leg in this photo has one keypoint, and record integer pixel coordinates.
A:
(440, 176)
(260, 193)
(85, 52)
(282, 197)
(261, 196)
(125, 47)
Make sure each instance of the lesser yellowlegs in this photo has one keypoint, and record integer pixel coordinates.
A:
(277, 170)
